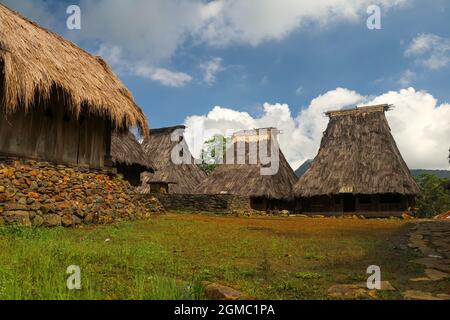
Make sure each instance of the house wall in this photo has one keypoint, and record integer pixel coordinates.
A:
(378, 203)
(264, 204)
(320, 204)
(131, 173)
(52, 134)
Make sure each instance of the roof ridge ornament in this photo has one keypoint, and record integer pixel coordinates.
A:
(359, 110)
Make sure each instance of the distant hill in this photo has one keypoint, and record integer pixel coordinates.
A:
(438, 173)
(302, 169)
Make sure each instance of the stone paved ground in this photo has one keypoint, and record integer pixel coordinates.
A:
(432, 239)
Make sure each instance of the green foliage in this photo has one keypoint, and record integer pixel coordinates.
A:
(435, 198)
(213, 151)
(437, 173)
(208, 167)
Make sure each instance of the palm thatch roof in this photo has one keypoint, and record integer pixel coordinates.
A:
(357, 154)
(36, 63)
(127, 150)
(244, 178)
(158, 147)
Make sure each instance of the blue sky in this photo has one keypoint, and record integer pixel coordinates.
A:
(180, 65)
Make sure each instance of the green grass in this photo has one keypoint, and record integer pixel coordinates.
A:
(167, 257)
(33, 265)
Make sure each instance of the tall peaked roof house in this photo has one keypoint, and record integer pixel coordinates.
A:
(171, 177)
(358, 167)
(58, 102)
(249, 175)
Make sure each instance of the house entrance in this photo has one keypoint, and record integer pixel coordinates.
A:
(349, 203)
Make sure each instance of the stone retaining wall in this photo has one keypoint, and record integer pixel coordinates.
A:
(223, 203)
(37, 193)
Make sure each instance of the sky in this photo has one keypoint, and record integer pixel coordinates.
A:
(243, 64)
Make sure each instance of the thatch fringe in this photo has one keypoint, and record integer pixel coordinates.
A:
(37, 63)
(357, 155)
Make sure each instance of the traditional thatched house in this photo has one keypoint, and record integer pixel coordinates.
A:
(129, 158)
(358, 168)
(170, 177)
(57, 102)
(245, 175)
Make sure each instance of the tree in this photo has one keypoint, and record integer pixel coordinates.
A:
(435, 198)
(214, 150)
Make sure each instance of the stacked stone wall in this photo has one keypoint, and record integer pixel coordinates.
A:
(45, 194)
(222, 203)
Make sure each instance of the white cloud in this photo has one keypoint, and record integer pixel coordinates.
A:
(406, 78)
(299, 91)
(419, 124)
(430, 50)
(254, 22)
(114, 56)
(154, 30)
(151, 32)
(164, 76)
(210, 69)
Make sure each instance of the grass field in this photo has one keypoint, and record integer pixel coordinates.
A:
(168, 256)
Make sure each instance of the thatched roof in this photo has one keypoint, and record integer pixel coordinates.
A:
(36, 63)
(163, 176)
(357, 155)
(127, 150)
(158, 147)
(246, 179)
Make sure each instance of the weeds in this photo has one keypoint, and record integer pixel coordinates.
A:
(265, 267)
(307, 275)
(169, 257)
